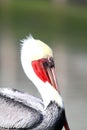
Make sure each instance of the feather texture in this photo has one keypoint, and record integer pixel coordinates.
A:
(17, 112)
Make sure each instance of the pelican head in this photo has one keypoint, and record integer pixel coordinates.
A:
(38, 64)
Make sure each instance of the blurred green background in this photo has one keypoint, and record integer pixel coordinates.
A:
(63, 25)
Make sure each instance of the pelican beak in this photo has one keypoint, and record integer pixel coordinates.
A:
(66, 126)
(50, 70)
(45, 70)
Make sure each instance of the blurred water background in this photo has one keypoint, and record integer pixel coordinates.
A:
(62, 24)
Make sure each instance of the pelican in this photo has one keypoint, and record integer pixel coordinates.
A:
(19, 110)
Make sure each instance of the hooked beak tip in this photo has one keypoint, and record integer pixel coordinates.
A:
(66, 126)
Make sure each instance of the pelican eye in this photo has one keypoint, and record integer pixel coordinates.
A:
(49, 63)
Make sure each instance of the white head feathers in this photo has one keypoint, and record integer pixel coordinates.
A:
(34, 49)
